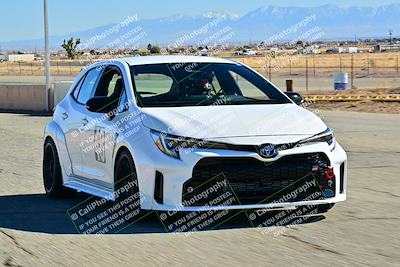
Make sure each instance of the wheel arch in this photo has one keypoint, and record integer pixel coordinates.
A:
(143, 174)
(119, 150)
(48, 138)
(54, 131)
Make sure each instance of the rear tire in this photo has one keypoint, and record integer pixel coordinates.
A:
(52, 175)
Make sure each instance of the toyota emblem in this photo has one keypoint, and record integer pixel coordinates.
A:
(267, 151)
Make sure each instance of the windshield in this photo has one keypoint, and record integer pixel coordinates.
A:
(201, 84)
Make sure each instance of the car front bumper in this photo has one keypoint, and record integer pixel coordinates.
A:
(176, 172)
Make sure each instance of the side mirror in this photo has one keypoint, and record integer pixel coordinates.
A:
(295, 97)
(100, 104)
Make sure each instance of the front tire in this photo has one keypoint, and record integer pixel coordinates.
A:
(126, 183)
(325, 207)
(52, 176)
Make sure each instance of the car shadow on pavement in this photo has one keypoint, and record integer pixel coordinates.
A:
(38, 213)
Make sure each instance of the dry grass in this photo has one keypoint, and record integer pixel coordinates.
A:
(359, 106)
(283, 64)
(376, 60)
(380, 91)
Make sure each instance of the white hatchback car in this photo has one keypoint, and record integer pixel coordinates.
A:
(185, 131)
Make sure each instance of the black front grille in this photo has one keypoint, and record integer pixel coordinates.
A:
(250, 181)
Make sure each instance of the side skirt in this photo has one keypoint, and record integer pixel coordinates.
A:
(90, 189)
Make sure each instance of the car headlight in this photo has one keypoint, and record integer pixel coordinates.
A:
(165, 143)
(325, 137)
(170, 144)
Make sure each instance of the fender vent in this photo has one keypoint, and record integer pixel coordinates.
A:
(158, 188)
(341, 188)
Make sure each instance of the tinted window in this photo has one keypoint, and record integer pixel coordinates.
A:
(110, 85)
(150, 84)
(88, 85)
(247, 88)
(123, 102)
(78, 87)
(201, 84)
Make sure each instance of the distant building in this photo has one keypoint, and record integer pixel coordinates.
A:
(20, 57)
(245, 52)
(249, 52)
(3, 57)
(352, 50)
(310, 50)
(337, 50)
(204, 52)
(386, 48)
(340, 50)
(86, 54)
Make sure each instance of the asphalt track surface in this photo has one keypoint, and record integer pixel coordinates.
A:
(363, 231)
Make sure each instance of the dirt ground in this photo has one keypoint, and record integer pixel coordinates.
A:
(378, 91)
(359, 106)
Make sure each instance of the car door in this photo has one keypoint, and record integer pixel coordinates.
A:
(97, 162)
(75, 119)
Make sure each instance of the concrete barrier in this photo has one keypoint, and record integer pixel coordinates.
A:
(60, 90)
(23, 97)
(19, 97)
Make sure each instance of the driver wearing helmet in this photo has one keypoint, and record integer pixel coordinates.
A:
(203, 85)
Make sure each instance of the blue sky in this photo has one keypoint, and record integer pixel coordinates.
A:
(23, 19)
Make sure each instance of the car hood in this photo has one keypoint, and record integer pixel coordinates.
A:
(276, 123)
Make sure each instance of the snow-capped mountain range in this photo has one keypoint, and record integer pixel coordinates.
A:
(333, 22)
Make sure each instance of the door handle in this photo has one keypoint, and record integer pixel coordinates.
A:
(64, 115)
(84, 121)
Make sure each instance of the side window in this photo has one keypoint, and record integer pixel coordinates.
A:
(215, 83)
(86, 91)
(123, 102)
(111, 85)
(78, 87)
(248, 88)
(152, 84)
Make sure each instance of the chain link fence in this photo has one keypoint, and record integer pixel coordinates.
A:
(308, 72)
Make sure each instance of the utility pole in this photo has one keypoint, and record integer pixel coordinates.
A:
(390, 34)
(46, 55)
(352, 71)
(306, 73)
